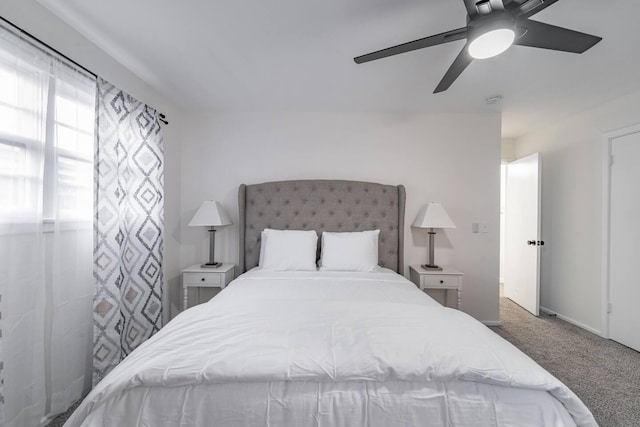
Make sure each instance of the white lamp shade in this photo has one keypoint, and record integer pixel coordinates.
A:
(433, 215)
(210, 214)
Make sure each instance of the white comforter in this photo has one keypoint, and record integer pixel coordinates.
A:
(337, 345)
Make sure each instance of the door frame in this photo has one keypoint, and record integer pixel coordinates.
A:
(607, 140)
(538, 236)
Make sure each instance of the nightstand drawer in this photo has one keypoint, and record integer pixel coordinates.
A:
(439, 284)
(202, 279)
(443, 281)
(199, 277)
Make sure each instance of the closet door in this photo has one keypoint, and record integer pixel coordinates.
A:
(624, 240)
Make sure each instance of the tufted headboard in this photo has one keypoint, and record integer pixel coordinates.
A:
(322, 205)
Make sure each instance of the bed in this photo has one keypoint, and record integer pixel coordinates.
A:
(326, 348)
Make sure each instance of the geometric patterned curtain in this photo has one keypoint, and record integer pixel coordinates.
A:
(1, 370)
(128, 242)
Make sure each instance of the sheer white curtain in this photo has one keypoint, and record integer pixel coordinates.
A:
(47, 116)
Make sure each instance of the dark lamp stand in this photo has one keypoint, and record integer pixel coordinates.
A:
(212, 250)
(431, 264)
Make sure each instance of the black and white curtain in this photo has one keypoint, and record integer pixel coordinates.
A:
(128, 226)
(1, 371)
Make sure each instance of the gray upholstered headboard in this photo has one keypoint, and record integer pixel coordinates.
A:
(322, 205)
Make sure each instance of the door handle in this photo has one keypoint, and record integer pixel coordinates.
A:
(531, 242)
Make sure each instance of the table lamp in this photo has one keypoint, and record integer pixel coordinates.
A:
(432, 216)
(211, 215)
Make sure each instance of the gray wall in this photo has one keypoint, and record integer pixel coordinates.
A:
(572, 207)
(449, 158)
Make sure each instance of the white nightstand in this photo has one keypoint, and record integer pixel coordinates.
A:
(446, 279)
(198, 277)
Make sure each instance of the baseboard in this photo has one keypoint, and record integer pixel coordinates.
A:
(491, 322)
(570, 320)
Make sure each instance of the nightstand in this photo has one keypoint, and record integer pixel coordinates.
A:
(447, 279)
(199, 277)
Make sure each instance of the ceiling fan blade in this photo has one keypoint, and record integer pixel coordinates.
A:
(461, 62)
(434, 40)
(548, 36)
(528, 8)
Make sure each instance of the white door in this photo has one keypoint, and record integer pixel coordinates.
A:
(522, 229)
(624, 237)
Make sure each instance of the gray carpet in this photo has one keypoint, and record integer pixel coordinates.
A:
(603, 373)
(62, 418)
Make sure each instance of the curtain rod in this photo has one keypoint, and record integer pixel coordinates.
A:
(161, 116)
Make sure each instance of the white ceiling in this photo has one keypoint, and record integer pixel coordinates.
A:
(291, 55)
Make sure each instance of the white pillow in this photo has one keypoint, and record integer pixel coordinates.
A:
(282, 250)
(352, 251)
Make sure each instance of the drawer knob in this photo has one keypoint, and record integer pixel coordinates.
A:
(202, 279)
(441, 281)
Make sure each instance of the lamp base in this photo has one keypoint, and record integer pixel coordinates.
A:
(211, 265)
(431, 267)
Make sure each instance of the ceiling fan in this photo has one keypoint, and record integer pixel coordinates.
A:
(492, 27)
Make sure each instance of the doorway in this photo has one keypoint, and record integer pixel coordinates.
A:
(621, 233)
(520, 232)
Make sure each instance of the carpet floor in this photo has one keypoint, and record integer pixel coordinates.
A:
(603, 373)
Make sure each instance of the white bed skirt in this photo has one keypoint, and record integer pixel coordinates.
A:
(346, 404)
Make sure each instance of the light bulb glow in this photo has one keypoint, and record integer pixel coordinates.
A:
(491, 43)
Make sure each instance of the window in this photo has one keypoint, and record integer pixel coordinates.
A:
(47, 119)
(19, 134)
(73, 126)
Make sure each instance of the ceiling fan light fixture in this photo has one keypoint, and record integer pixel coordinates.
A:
(492, 27)
(491, 43)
